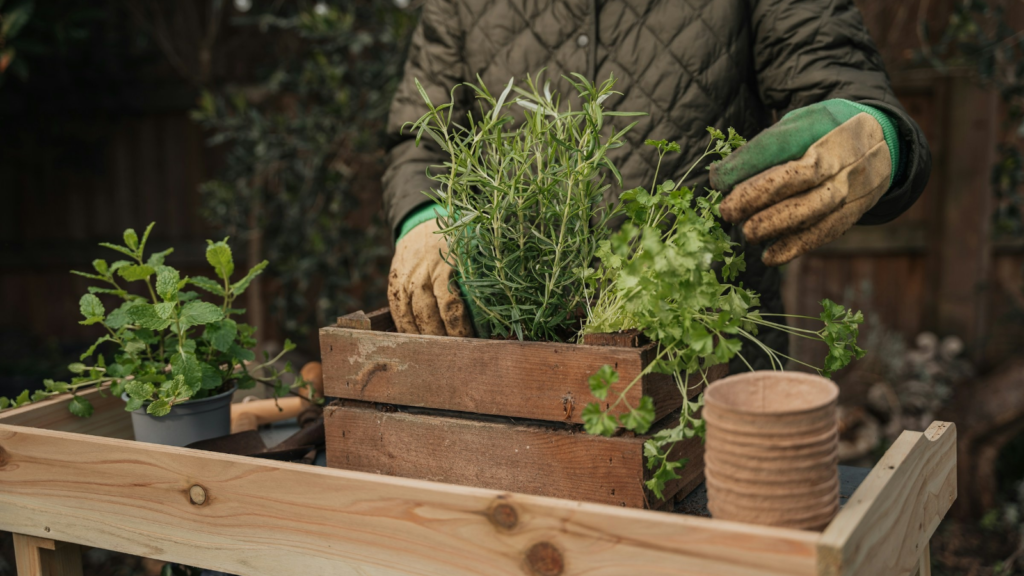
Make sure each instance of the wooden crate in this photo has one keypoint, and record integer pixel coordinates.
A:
(511, 415)
(63, 483)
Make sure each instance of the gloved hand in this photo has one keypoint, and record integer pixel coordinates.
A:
(809, 178)
(424, 298)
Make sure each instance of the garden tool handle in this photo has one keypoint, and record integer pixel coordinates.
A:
(249, 415)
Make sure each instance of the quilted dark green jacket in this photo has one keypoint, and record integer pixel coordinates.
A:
(688, 64)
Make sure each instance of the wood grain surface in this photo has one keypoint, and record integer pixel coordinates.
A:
(526, 458)
(109, 417)
(271, 518)
(887, 523)
(536, 380)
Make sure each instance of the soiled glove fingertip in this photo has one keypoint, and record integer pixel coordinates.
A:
(730, 211)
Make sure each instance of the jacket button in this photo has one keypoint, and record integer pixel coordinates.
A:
(582, 41)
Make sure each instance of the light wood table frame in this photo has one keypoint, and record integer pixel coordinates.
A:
(67, 482)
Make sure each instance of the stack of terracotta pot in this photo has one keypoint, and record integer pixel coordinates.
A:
(771, 455)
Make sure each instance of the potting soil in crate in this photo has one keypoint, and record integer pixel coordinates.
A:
(498, 414)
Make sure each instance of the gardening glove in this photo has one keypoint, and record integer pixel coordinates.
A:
(809, 178)
(423, 297)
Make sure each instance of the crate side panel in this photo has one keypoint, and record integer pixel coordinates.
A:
(537, 380)
(501, 456)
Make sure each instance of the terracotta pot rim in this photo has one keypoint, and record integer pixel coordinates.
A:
(828, 388)
(737, 450)
(815, 475)
(746, 426)
(798, 463)
(758, 488)
(790, 503)
(770, 440)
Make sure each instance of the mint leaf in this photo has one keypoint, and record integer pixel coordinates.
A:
(221, 335)
(119, 318)
(156, 259)
(101, 266)
(141, 391)
(239, 353)
(22, 399)
(207, 284)
(121, 249)
(167, 283)
(135, 272)
(211, 377)
(146, 316)
(165, 309)
(91, 308)
(92, 349)
(240, 286)
(131, 239)
(199, 313)
(133, 404)
(80, 407)
(159, 407)
(76, 367)
(218, 254)
(189, 370)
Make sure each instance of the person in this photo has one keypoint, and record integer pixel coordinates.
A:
(843, 151)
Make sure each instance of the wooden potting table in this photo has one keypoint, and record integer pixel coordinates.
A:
(67, 482)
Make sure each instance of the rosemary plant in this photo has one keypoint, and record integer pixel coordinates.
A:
(521, 202)
(669, 272)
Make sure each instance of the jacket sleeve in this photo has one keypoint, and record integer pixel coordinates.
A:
(807, 51)
(435, 59)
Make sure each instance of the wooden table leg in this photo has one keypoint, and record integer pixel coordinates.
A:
(925, 567)
(44, 557)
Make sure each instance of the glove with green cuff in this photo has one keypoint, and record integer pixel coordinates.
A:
(810, 177)
(421, 292)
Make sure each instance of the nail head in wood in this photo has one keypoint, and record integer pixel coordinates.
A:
(545, 559)
(504, 516)
(197, 494)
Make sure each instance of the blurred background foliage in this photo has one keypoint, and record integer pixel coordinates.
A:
(303, 155)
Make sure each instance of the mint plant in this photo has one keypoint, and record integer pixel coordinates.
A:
(170, 345)
(669, 272)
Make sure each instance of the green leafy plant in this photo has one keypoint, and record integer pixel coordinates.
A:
(669, 272)
(171, 346)
(519, 202)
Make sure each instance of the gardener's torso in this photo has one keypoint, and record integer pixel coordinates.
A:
(686, 64)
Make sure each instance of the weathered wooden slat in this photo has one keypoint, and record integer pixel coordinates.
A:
(109, 417)
(269, 518)
(536, 380)
(514, 457)
(887, 523)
